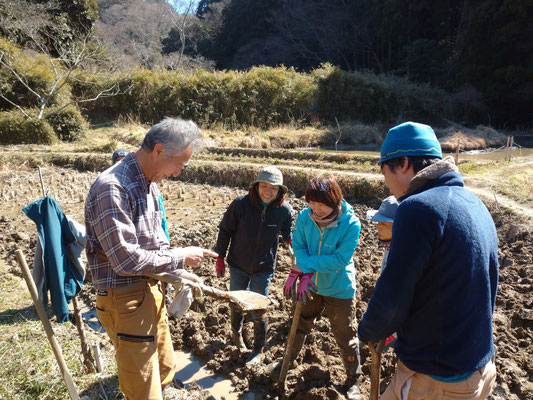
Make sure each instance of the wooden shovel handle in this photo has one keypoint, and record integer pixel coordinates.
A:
(290, 344)
(207, 290)
(375, 368)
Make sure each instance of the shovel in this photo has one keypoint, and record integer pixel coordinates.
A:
(244, 299)
(290, 341)
(375, 368)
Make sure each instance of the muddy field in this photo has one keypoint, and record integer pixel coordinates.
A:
(193, 218)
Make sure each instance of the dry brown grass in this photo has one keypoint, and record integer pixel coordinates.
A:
(470, 139)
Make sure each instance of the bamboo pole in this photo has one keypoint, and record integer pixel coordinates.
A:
(71, 386)
(88, 360)
(42, 184)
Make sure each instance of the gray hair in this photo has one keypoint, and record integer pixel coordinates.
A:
(173, 133)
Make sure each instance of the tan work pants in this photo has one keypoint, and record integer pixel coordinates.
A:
(135, 319)
(407, 384)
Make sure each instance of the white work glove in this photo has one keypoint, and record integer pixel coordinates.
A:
(183, 299)
(185, 292)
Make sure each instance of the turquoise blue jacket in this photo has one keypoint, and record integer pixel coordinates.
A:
(328, 252)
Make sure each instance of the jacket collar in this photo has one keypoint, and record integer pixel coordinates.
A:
(442, 173)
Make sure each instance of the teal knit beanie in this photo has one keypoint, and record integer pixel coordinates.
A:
(410, 139)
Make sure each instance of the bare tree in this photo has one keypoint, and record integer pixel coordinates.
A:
(63, 58)
(181, 13)
(133, 30)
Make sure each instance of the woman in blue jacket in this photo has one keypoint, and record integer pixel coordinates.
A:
(324, 240)
(252, 224)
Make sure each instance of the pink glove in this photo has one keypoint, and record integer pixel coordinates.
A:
(289, 289)
(306, 282)
(221, 267)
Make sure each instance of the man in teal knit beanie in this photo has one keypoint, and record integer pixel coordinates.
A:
(439, 285)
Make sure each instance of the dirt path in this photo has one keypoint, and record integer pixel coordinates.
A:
(488, 195)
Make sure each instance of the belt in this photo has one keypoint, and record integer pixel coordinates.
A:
(135, 285)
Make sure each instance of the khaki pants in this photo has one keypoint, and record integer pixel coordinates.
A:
(407, 384)
(136, 321)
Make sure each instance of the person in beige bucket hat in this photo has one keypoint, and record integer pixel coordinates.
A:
(272, 176)
(251, 227)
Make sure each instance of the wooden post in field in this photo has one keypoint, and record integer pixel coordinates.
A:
(71, 386)
(457, 151)
(511, 148)
(507, 147)
(340, 134)
(88, 359)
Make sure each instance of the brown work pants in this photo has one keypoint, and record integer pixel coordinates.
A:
(136, 321)
(407, 384)
(341, 315)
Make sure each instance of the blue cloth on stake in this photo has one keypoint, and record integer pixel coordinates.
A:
(62, 278)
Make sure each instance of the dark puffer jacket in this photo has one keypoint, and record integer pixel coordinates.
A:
(253, 230)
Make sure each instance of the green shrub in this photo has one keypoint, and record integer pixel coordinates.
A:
(15, 128)
(370, 98)
(68, 123)
(263, 97)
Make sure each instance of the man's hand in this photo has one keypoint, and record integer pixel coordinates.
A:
(220, 267)
(194, 255)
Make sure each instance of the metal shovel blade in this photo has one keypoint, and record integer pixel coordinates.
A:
(249, 301)
(244, 299)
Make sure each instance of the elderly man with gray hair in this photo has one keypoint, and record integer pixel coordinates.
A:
(126, 244)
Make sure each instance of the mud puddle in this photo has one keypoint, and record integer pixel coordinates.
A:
(190, 370)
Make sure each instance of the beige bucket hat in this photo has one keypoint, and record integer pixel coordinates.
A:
(271, 175)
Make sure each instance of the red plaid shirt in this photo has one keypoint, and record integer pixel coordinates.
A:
(123, 222)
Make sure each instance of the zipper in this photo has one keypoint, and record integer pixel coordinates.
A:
(259, 235)
(319, 247)
(134, 338)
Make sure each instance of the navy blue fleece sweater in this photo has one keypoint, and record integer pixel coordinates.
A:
(439, 287)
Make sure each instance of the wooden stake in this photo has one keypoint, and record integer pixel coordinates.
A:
(71, 386)
(507, 147)
(42, 184)
(88, 359)
(457, 152)
(98, 357)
